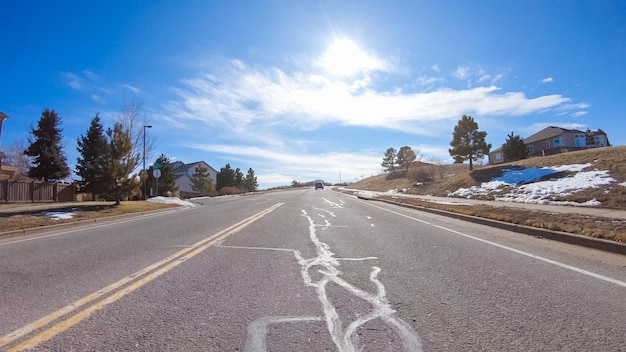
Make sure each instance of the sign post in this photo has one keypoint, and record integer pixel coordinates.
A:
(156, 173)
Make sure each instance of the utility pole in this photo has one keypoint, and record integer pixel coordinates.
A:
(144, 161)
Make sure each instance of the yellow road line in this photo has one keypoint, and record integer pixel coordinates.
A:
(169, 262)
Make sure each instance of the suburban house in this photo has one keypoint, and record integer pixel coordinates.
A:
(554, 140)
(183, 174)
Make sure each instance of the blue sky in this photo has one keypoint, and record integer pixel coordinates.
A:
(300, 90)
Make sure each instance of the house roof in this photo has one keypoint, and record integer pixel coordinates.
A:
(184, 168)
(548, 132)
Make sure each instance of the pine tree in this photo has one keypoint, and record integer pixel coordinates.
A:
(390, 160)
(514, 148)
(467, 142)
(49, 163)
(122, 162)
(92, 164)
(167, 180)
(226, 177)
(201, 181)
(406, 156)
(250, 182)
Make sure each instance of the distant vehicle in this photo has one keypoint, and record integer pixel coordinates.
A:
(319, 184)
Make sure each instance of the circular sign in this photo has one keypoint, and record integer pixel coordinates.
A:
(156, 173)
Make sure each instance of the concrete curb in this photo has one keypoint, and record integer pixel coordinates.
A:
(596, 243)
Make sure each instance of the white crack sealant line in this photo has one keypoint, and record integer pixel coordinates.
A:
(257, 330)
(527, 254)
(331, 213)
(333, 204)
(345, 339)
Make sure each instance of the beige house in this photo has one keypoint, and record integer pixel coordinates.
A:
(554, 140)
(184, 173)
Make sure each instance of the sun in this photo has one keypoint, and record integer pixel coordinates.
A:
(344, 57)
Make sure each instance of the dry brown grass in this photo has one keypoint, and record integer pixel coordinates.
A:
(25, 216)
(599, 227)
(458, 176)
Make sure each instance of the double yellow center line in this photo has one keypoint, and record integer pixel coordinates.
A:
(119, 290)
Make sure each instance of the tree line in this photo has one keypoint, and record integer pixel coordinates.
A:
(468, 144)
(108, 159)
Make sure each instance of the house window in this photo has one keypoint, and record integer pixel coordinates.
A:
(531, 149)
(580, 141)
(547, 144)
(556, 143)
(562, 142)
(498, 156)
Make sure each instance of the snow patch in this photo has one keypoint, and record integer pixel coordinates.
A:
(171, 200)
(59, 215)
(540, 192)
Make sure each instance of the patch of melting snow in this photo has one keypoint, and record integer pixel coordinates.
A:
(171, 200)
(541, 192)
(59, 215)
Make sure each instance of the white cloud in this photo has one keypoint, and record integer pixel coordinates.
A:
(73, 80)
(132, 88)
(97, 99)
(547, 80)
(298, 166)
(244, 96)
(436, 68)
(88, 74)
(579, 113)
(462, 72)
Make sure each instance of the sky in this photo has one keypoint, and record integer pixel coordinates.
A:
(305, 90)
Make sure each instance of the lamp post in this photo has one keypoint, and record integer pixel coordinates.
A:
(144, 159)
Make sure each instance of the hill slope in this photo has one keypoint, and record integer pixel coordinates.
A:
(443, 180)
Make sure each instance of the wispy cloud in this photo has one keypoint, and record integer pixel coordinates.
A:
(296, 166)
(97, 99)
(73, 80)
(132, 88)
(90, 75)
(243, 96)
(435, 68)
(547, 80)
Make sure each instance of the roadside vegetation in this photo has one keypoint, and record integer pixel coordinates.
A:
(438, 179)
(26, 216)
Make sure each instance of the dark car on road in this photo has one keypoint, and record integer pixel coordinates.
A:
(319, 184)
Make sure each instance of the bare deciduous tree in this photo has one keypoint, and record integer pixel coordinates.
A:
(133, 119)
(15, 157)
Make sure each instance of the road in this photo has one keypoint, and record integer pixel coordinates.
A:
(306, 270)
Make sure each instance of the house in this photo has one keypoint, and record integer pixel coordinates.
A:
(184, 172)
(554, 140)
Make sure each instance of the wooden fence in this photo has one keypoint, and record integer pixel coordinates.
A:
(12, 191)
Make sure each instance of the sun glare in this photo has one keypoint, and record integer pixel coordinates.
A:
(344, 57)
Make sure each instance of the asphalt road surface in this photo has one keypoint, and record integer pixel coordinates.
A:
(306, 270)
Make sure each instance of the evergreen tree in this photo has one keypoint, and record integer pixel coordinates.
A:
(122, 162)
(201, 181)
(467, 142)
(238, 178)
(167, 181)
(92, 164)
(250, 182)
(390, 160)
(45, 149)
(406, 156)
(514, 148)
(226, 177)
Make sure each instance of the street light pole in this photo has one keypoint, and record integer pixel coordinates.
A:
(144, 160)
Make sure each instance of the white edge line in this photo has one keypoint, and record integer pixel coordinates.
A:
(534, 256)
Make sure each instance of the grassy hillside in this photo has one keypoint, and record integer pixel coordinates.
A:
(440, 180)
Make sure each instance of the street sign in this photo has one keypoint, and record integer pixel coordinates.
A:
(156, 173)
(158, 165)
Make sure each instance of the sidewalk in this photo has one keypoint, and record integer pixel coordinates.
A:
(566, 209)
